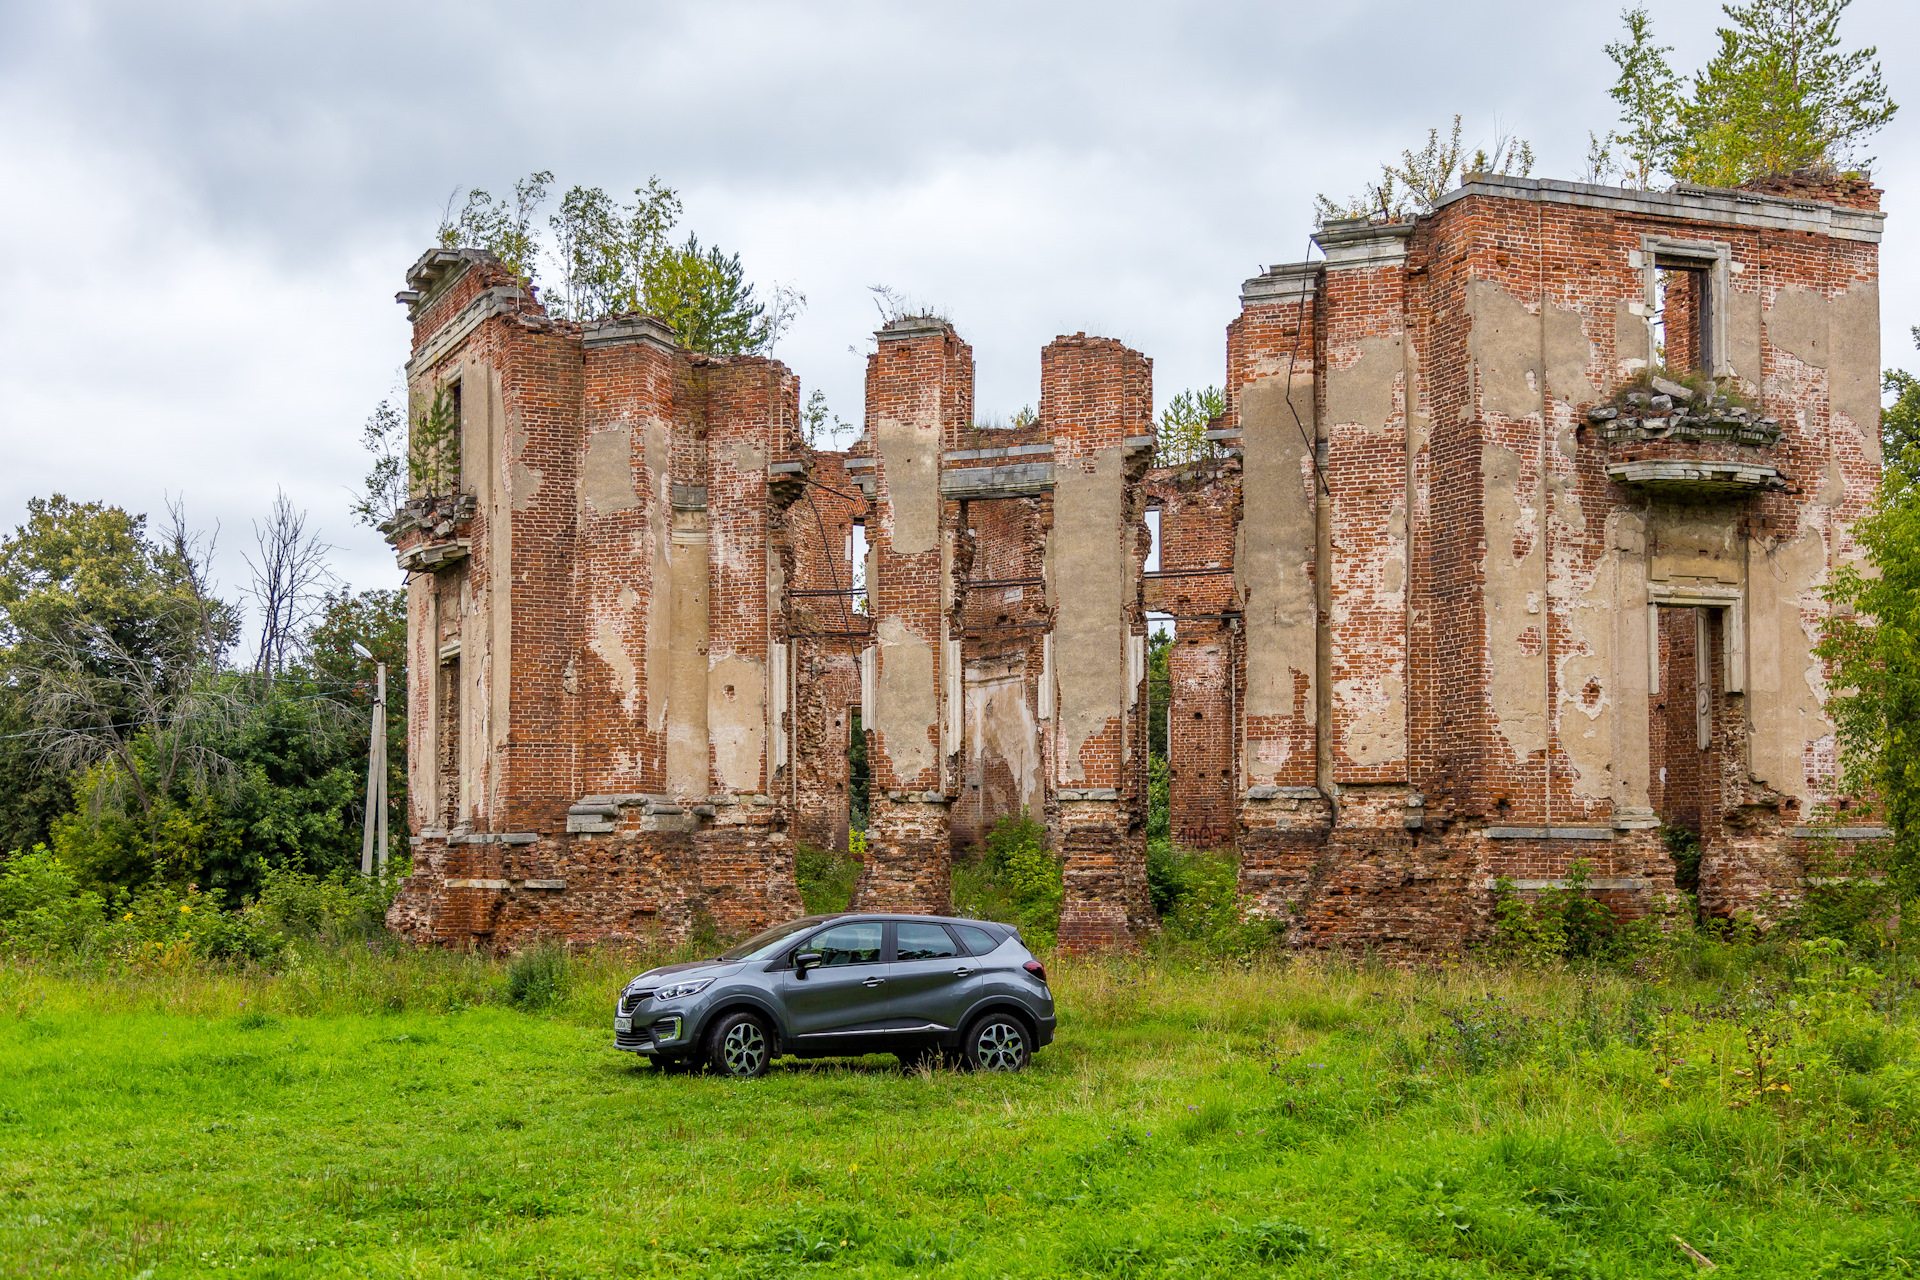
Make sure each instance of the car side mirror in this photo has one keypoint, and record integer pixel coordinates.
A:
(806, 960)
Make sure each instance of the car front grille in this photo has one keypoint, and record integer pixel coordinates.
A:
(633, 1000)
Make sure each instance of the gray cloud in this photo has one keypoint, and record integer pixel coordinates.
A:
(211, 204)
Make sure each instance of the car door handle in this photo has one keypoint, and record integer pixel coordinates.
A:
(873, 982)
(963, 972)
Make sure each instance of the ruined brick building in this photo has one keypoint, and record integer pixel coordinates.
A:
(1450, 604)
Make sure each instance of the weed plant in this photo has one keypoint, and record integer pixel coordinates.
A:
(169, 1106)
(383, 1111)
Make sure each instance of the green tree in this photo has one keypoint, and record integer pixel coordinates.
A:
(384, 491)
(1780, 95)
(1649, 96)
(82, 586)
(1872, 641)
(705, 297)
(612, 259)
(1182, 433)
(1900, 427)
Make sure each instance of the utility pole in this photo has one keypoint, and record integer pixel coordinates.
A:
(376, 776)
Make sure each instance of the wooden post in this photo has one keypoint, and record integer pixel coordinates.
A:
(380, 755)
(376, 780)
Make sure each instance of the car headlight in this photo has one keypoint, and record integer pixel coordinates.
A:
(678, 990)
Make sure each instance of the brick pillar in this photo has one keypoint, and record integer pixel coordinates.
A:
(919, 384)
(1369, 401)
(1283, 814)
(1095, 396)
(745, 857)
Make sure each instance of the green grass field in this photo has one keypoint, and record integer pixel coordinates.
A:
(387, 1115)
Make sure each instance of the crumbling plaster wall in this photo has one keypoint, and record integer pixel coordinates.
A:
(1435, 666)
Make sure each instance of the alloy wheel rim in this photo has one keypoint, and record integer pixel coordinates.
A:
(744, 1049)
(999, 1046)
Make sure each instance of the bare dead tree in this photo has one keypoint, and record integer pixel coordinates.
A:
(290, 581)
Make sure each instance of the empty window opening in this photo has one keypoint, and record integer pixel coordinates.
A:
(857, 560)
(1688, 717)
(448, 732)
(1685, 287)
(1153, 529)
(857, 777)
(1683, 318)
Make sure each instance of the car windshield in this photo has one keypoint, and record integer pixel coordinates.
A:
(762, 945)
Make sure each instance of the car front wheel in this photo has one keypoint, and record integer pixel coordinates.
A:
(997, 1042)
(739, 1046)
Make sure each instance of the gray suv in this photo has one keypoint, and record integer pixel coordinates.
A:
(919, 987)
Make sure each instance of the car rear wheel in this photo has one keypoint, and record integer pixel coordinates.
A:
(997, 1042)
(739, 1046)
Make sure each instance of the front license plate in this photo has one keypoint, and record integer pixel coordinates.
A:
(623, 1024)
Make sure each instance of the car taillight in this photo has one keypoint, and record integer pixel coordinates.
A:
(1037, 969)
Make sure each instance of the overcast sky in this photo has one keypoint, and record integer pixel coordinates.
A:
(209, 206)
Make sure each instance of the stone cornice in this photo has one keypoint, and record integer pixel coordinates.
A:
(651, 330)
(1288, 282)
(1352, 243)
(501, 299)
(1723, 205)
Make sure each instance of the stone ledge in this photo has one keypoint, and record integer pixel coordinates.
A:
(1011, 480)
(1675, 476)
(917, 797)
(1068, 795)
(489, 302)
(979, 455)
(1269, 792)
(1602, 882)
(1549, 833)
(1844, 833)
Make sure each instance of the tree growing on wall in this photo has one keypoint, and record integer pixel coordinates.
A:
(384, 490)
(1181, 435)
(611, 258)
(1780, 94)
(1416, 183)
(1872, 640)
(1649, 96)
(503, 228)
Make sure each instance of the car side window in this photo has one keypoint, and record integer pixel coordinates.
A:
(856, 943)
(917, 940)
(978, 941)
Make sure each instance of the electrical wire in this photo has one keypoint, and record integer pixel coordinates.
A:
(1299, 327)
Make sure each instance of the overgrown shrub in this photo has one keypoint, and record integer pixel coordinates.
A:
(42, 907)
(1683, 846)
(825, 878)
(1014, 879)
(537, 978)
(1848, 895)
(1197, 896)
(45, 911)
(1562, 923)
